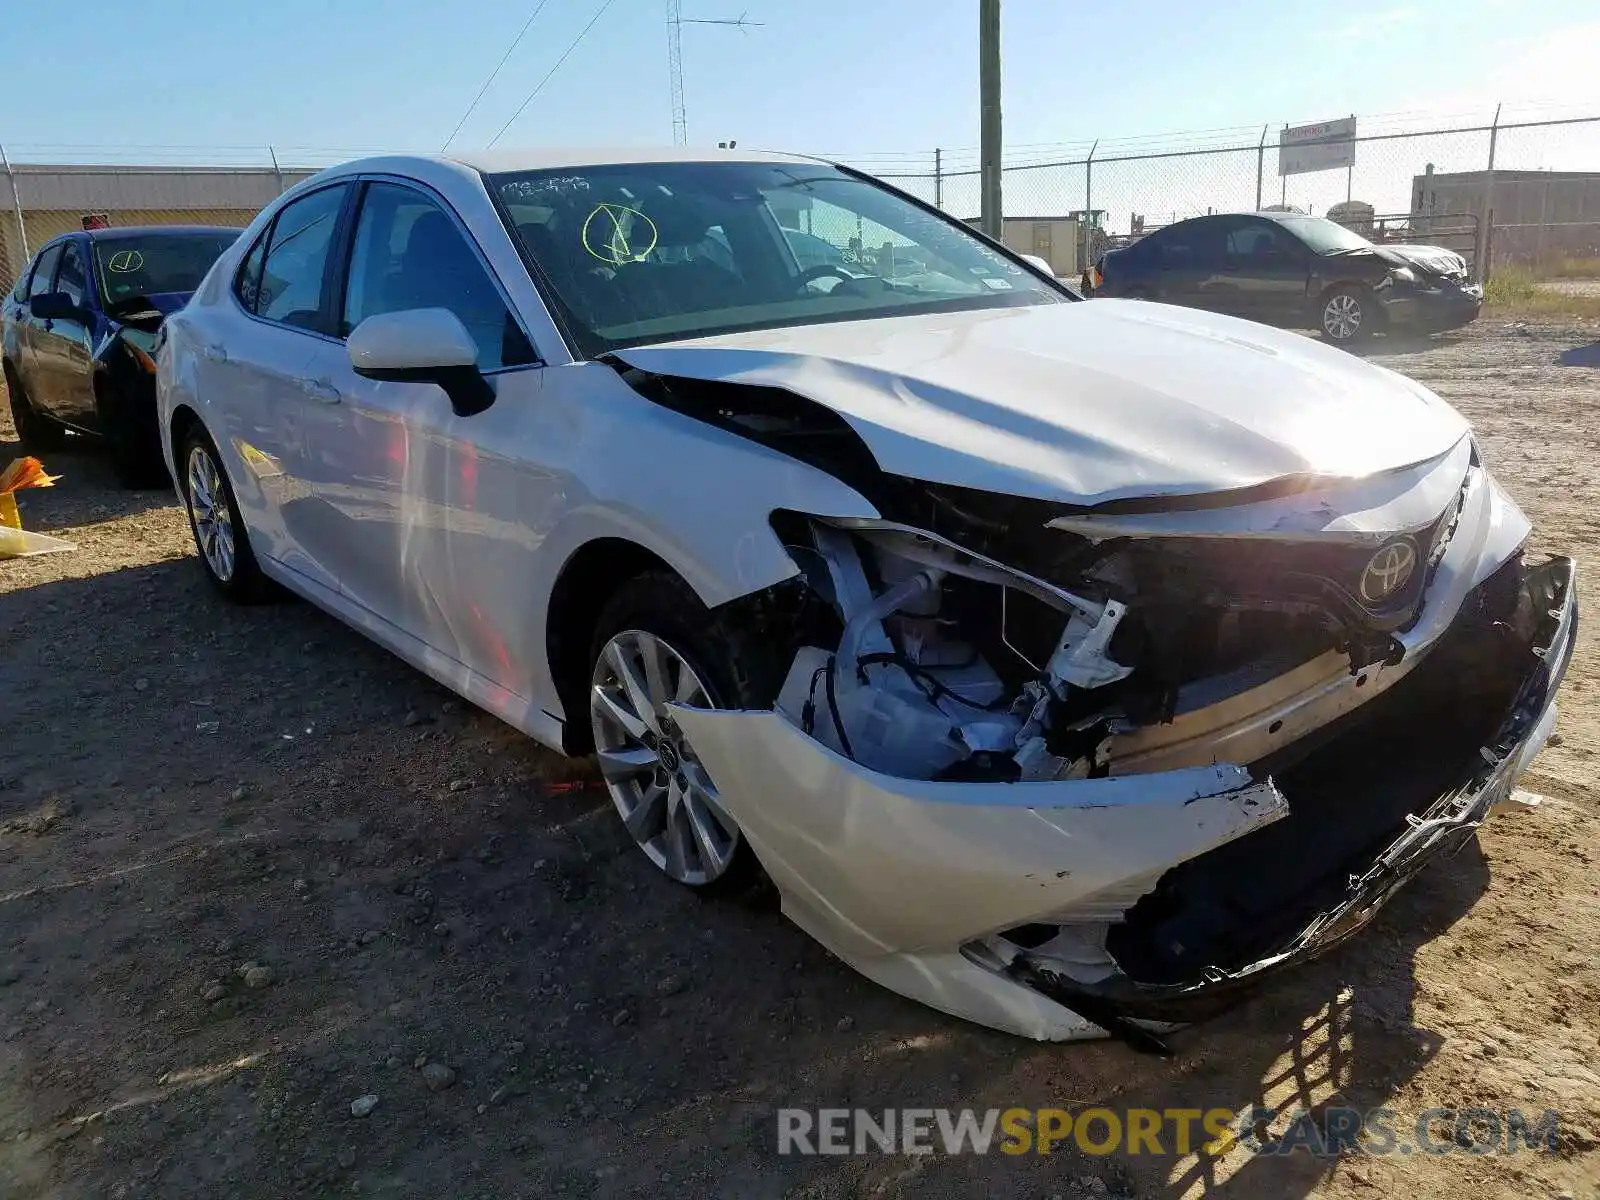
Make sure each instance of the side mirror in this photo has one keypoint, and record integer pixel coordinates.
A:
(1038, 264)
(422, 345)
(54, 306)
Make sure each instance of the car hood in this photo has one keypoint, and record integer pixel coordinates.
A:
(1436, 260)
(1087, 403)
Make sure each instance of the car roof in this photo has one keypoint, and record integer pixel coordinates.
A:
(158, 230)
(543, 157)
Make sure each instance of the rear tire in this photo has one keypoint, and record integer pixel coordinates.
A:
(219, 533)
(1346, 315)
(36, 432)
(656, 642)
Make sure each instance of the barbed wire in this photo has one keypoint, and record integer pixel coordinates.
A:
(954, 160)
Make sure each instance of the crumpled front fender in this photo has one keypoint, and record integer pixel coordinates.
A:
(872, 865)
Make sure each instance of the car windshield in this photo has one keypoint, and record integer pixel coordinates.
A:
(1324, 236)
(653, 252)
(148, 264)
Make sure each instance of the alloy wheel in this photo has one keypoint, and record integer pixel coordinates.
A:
(666, 800)
(1341, 317)
(210, 514)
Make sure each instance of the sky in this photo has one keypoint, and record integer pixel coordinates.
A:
(882, 82)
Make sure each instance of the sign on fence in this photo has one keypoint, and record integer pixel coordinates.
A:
(1321, 147)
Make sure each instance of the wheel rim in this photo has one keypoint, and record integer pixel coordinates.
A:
(209, 514)
(1341, 316)
(667, 802)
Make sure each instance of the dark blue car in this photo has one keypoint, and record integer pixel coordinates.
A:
(77, 336)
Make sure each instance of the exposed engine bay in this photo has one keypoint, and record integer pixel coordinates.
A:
(1077, 765)
(950, 665)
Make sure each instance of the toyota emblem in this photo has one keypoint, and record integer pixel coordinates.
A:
(1388, 570)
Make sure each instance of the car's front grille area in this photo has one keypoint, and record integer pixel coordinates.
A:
(1379, 586)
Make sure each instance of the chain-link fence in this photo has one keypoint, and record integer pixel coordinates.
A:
(1521, 191)
(39, 201)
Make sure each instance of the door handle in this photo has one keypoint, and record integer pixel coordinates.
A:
(321, 391)
(214, 353)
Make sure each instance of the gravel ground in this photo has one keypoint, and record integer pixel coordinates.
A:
(257, 878)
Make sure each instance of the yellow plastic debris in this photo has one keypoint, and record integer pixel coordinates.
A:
(15, 541)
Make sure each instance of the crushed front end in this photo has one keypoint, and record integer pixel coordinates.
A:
(1070, 772)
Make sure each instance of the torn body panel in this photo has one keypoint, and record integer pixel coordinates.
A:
(1064, 767)
(1038, 907)
(895, 875)
(1087, 403)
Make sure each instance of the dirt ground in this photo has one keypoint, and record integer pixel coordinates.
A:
(187, 789)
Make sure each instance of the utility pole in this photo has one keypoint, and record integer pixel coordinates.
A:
(989, 115)
(675, 23)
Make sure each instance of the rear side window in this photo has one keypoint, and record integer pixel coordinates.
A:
(43, 270)
(409, 253)
(71, 278)
(1191, 246)
(1260, 240)
(296, 262)
(247, 283)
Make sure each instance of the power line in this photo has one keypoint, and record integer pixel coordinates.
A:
(565, 54)
(537, 9)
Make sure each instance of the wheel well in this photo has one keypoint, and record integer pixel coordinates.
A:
(1345, 285)
(590, 578)
(184, 419)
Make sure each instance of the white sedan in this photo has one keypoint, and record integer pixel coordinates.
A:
(1067, 667)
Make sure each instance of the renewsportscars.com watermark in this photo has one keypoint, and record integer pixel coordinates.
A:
(1329, 1132)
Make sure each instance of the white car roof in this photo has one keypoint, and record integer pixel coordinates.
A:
(544, 158)
(534, 158)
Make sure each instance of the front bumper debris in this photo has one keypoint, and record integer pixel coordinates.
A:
(1444, 829)
(908, 880)
(1434, 310)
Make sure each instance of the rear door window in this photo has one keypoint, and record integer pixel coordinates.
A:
(1260, 241)
(294, 271)
(43, 271)
(1195, 247)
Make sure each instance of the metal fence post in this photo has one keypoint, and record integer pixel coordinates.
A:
(1481, 251)
(276, 169)
(1283, 180)
(1544, 216)
(16, 202)
(1085, 243)
(938, 178)
(1261, 165)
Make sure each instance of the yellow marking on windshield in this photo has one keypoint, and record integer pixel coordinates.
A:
(124, 261)
(607, 234)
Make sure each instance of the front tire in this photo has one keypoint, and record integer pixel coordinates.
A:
(36, 432)
(1347, 315)
(656, 644)
(219, 532)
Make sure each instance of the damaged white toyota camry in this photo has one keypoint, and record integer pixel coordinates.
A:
(1068, 667)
